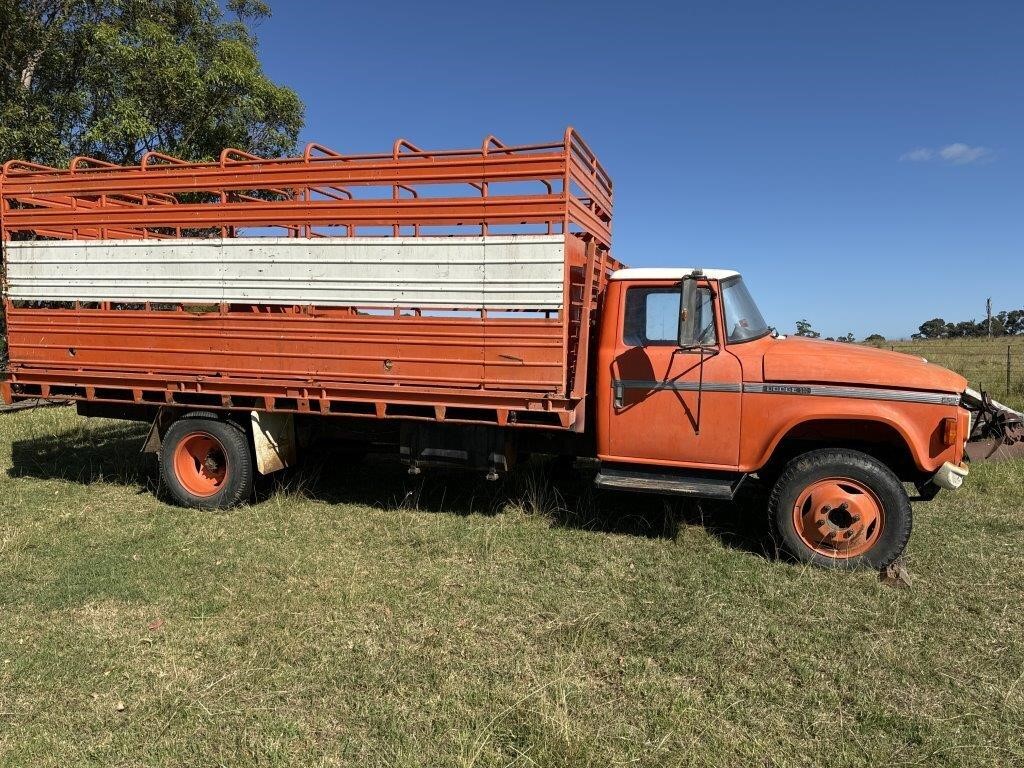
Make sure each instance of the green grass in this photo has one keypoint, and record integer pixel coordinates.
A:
(981, 361)
(356, 618)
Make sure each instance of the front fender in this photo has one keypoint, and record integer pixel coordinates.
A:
(768, 419)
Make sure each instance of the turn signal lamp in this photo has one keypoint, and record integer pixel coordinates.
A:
(949, 430)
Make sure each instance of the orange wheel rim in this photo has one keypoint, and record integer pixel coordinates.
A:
(200, 464)
(838, 517)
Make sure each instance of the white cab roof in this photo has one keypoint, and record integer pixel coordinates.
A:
(669, 273)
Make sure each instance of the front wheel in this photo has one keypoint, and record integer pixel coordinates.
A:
(206, 463)
(842, 509)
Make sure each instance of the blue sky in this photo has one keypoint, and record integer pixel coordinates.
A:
(813, 146)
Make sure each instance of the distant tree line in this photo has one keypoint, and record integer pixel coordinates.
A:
(1009, 323)
(1003, 324)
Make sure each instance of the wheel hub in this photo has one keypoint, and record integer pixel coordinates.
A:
(838, 517)
(200, 464)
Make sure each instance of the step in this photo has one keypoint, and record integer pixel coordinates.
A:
(675, 484)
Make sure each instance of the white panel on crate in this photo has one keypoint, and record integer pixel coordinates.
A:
(500, 272)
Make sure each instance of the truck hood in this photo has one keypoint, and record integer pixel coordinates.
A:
(829, 362)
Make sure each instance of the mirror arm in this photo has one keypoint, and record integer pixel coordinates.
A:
(700, 391)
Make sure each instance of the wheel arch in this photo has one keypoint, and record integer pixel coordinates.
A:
(166, 416)
(876, 436)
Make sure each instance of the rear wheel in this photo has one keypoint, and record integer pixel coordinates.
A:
(841, 509)
(206, 463)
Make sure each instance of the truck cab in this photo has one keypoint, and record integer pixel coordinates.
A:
(696, 388)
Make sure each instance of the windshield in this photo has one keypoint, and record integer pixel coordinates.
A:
(743, 320)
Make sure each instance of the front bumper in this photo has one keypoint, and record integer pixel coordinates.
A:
(950, 476)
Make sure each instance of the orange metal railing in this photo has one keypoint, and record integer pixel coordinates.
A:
(559, 186)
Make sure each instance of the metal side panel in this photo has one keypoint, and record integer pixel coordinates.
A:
(500, 272)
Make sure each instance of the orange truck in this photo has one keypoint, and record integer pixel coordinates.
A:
(462, 307)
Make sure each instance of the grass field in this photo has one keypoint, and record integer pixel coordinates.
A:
(982, 361)
(343, 622)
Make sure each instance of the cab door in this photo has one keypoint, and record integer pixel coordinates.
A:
(672, 406)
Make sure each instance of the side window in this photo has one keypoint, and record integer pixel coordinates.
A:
(652, 317)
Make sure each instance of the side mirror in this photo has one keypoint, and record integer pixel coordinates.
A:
(688, 298)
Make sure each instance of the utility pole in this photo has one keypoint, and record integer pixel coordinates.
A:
(988, 312)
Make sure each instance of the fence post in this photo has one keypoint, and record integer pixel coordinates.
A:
(1007, 370)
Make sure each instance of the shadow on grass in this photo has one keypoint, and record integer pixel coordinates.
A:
(741, 524)
(110, 453)
(545, 488)
(86, 455)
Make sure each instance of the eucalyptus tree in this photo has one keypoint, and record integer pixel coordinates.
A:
(115, 78)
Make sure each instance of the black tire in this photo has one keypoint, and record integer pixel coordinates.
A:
(231, 451)
(870, 480)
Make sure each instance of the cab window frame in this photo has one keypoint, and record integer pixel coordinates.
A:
(634, 320)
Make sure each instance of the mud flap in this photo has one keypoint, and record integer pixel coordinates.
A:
(164, 419)
(273, 437)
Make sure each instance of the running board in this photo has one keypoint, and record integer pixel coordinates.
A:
(695, 486)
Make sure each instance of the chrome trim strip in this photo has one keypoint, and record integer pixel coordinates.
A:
(814, 390)
(677, 386)
(859, 393)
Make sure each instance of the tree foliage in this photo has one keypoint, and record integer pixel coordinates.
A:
(1004, 323)
(803, 328)
(114, 78)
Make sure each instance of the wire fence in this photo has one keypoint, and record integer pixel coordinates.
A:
(995, 366)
